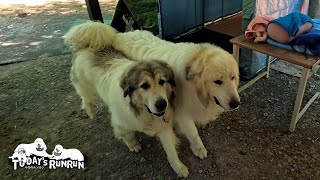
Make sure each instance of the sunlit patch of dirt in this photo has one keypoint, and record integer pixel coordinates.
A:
(33, 28)
(50, 6)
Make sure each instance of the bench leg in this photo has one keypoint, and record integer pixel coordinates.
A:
(236, 51)
(248, 84)
(299, 98)
(265, 73)
(268, 65)
(129, 23)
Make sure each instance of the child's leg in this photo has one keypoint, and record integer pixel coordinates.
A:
(277, 33)
(304, 28)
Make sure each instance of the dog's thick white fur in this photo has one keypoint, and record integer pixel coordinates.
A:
(60, 153)
(38, 148)
(140, 95)
(207, 78)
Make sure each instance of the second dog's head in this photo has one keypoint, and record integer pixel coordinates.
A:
(150, 86)
(215, 75)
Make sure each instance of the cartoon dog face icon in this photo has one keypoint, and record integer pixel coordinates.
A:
(39, 148)
(22, 155)
(40, 145)
(60, 153)
(57, 150)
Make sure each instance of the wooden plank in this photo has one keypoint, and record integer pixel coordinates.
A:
(306, 61)
(230, 26)
(94, 10)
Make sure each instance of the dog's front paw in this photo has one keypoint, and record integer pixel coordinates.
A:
(91, 113)
(89, 109)
(136, 148)
(200, 152)
(182, 170)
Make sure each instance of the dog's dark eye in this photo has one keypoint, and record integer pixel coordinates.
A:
(145, 86)
(219, 82)
(232, 78)
(161, 82)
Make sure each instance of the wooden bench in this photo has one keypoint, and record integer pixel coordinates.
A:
(308, 63)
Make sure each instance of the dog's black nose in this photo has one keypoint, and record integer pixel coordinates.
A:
(234, 104)
(161, 104)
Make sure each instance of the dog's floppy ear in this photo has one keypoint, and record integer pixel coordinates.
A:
(203, 95)
(124, 84)
(194, 68)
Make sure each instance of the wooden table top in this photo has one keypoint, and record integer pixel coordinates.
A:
(307, 61)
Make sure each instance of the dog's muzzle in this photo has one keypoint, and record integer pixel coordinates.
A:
(217, 101)
(156, 114)
(233, 105)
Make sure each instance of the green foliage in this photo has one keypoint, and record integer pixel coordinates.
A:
(145, 13)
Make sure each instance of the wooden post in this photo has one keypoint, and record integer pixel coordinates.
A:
(94, 10)
(268, 65)
(236, 52)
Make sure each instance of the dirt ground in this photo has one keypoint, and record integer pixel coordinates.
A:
(37, 100)
(36, 30)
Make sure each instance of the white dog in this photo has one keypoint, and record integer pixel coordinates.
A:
(60, 153)
(207, 78)
(37, 148)
(140, 95)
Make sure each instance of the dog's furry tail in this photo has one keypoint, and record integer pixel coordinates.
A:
(95, 35)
